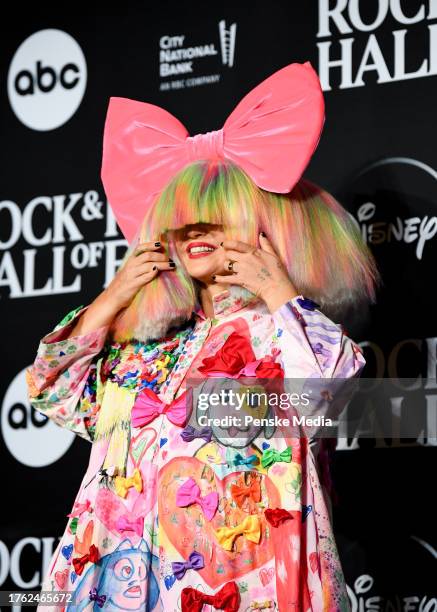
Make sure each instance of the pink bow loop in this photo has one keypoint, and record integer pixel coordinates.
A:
(148, 406)
(189, 493)
(124, 523)
(271, 135)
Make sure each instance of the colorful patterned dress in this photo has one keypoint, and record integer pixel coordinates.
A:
(170, 515)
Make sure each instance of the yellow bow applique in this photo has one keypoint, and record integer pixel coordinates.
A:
(161, 365)
(262, 605)
(250, 527)
(122, 484)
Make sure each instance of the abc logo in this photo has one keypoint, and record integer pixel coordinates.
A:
(47, 79)
(29, 436)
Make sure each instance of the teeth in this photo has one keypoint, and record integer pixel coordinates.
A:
(201, 249)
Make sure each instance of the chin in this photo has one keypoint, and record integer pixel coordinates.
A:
(203, 274)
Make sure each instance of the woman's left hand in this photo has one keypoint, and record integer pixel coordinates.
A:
(259, 270)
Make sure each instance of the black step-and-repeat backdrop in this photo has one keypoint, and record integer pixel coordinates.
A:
(59, 244)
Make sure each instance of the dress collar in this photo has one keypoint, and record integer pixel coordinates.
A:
(229, 300)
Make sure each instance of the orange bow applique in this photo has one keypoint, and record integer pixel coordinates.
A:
(242, 491)
(250, 527)
(122, 484)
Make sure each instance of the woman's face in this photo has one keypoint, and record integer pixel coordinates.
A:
(198, 247)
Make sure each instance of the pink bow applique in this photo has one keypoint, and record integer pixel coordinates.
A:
(124, 523)
(189, 493)
(271, 135)
(148, 406)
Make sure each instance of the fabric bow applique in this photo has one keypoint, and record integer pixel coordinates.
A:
(92, 556)
(228, 599)
(148, 406)
(122, 484)
(190, 433)
(267, 604)
(189, 493)
(195, 562)
(249, 461)
(124, 523)
(236, 358)
(99, 599)
(242, 491)
(276, 516)
(250, 528)
(271, 456)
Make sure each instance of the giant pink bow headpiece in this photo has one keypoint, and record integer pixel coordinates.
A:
(271, 135)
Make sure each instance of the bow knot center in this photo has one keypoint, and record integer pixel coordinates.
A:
(205, 146)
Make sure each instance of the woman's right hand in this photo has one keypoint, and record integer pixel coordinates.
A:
(144, 263)
(138, 270)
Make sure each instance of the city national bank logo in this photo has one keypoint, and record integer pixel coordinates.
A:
(47, 79)
(383, 41)
(177, 57)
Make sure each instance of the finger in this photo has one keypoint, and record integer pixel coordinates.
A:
(238, 255)
(233, 269)
(147, 246)
(231, 279)
(150, 256)
(237, 245)
(265, 244)
(158, 266)
(238, 267)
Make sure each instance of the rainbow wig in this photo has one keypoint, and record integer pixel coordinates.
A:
(316, 238)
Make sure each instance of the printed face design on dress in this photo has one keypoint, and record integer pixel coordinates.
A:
(126, 576)
(198, 248)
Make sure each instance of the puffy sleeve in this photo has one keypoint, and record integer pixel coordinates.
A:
(313, 345)
(62, 382)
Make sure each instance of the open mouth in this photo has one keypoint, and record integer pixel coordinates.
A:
(199, 249)
(133, 591)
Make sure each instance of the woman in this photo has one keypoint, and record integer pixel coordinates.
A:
(219, 284)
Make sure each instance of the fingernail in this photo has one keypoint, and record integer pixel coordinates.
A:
(157, 244)
(213, 277)
(170, 259)
(154, 268)
(172, 264)
(221, 243)
(263, 234)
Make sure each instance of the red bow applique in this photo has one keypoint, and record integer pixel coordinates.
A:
(80, 562)
(228, 599)
(236, 358)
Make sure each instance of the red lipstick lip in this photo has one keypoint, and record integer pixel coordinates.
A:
(199, 244)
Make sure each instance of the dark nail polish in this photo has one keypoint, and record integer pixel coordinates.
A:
(213, 277)
(263, 234)
(172, 264)
(154, 268)
(221, 243)
(157, 244)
